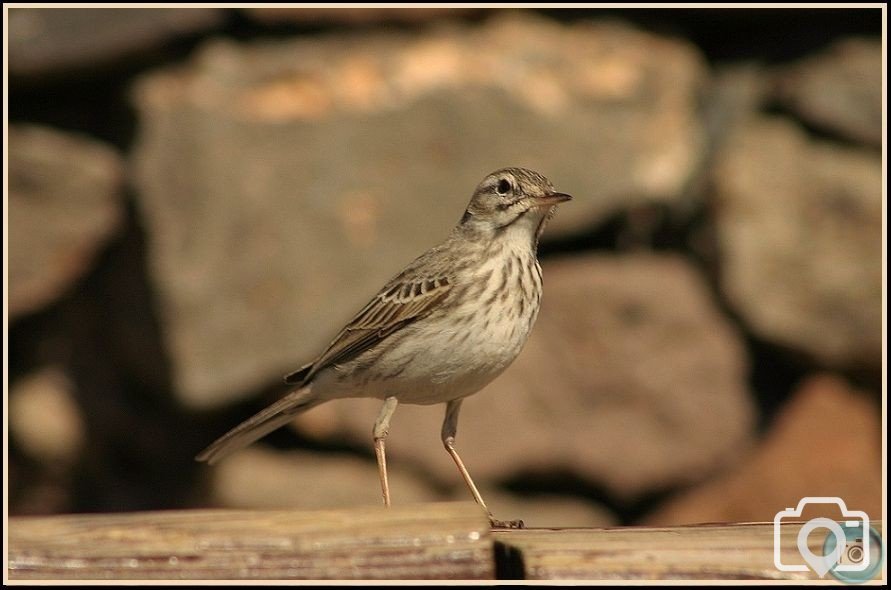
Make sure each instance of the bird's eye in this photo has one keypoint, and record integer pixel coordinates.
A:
(503, 186)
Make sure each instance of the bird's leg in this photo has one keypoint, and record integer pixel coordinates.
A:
(381, 429)
(449, 429)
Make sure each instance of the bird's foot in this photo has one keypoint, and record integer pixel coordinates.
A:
(506, 524)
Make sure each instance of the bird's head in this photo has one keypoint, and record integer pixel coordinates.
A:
(512, 200)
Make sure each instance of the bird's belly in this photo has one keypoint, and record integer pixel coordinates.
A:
(455, 351)
(456, 360)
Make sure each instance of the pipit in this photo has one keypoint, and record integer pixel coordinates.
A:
(440, 330)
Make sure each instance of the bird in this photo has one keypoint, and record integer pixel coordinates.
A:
(442, 329)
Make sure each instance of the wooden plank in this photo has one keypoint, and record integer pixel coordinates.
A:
(698, 552)
(429, 541)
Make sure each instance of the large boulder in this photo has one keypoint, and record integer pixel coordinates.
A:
(799, 227)
(838, 90)
(51, 40)
(826, 441)
(64, 204)
(282, 183)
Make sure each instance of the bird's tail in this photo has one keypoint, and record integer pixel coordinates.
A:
(261, 424)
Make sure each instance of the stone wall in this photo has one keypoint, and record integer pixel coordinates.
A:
(199, 198)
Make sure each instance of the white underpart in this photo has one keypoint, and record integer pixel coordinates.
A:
(457, 359)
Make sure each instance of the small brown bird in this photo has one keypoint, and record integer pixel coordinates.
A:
(440, 330)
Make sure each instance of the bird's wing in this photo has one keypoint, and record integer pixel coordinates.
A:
(402, 301)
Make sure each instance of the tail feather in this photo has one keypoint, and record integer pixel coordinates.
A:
(259, 425)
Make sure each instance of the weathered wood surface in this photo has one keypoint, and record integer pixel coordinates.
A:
(430, 541)
(696, 552)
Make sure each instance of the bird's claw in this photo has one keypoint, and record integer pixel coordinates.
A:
(506, 524)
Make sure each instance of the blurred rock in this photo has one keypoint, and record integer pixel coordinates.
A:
(45, 40)
(839, 89)
(351, 15)
(282, 183)
(799, 225)
(735, 91)
(43, 418)
(46, 496)
(628, 356)
(64, 203)
(264, 479)
(826, 442)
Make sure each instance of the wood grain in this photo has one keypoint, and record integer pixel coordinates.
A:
(440, 541)
(696, 552)
(429, 541)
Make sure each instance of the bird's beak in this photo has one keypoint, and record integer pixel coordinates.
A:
(552, 199)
